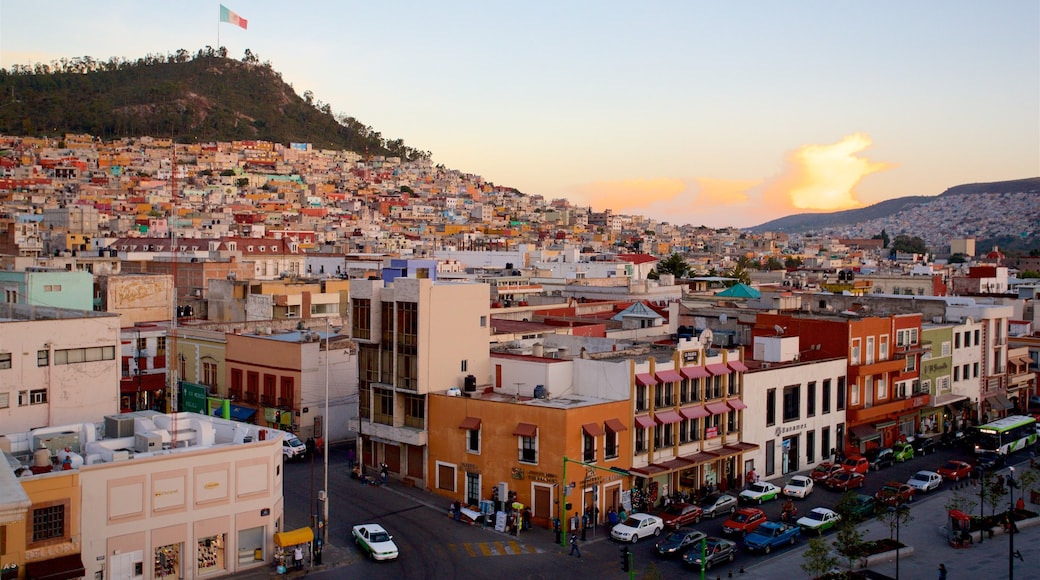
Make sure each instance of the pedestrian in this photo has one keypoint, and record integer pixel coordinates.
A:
(942, 571)
(351, 457)
(297, 557)
(457, 509)
(750, 477)
(584, 524)
(384, 471)
(622, 515)
(319, 445)
(612, 517)
(575, 521)
(574, 545)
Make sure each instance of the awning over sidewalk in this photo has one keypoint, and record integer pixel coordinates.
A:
(865, 432)
(60, 568)
(999, 401)
(948, 399)
(293, 537)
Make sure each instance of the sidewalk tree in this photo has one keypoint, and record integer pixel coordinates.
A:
(962, 502)
(819, 559)
(996, 489)
(849, 543)
(900, 517)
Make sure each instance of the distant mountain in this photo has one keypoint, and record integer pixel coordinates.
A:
(189, 98)
(1003, 213)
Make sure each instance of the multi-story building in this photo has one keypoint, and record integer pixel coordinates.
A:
(989, 336)
(415, 336)
(48, 287)
(56, 366)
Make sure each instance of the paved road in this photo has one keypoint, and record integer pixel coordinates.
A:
(434, 546)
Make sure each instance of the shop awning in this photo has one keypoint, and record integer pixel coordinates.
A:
(668, 377)
(667, 417)
(741, 446)
(238, 412)
(948, 399)
(293, 537)
(694, 372)
(647, 471)
(719, 408)
(697, 412)
(645, 379)
(60, 568)
(470, 423)
(592, 429)
(999, 401)
(736, 404)
(525, 430)
(615, 425)
(701, 457)
(644, 421)
(737, 366)
(864, 432)
(718, 369)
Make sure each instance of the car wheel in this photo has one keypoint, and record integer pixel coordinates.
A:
(767, 549)
(733, 509)
(635, 538)
(710, 514)
(759, 501)
(731, 556)
(657, 532)
(792, 540)
(697, 520)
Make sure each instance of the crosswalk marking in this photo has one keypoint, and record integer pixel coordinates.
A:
(484, 549)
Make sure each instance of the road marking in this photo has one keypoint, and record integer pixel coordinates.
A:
(469, 549)
(487, 549)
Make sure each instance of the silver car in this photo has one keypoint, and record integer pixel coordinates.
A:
(717, 503)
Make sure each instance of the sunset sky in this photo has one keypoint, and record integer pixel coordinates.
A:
(703, 112)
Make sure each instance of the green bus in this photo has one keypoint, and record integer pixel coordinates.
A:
(1007, 435)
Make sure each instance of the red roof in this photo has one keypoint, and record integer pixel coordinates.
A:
(637, 258)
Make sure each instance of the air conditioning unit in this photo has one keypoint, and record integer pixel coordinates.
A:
(118, 426)
(147, 442)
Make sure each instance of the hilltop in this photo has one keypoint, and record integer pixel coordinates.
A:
(189, 98)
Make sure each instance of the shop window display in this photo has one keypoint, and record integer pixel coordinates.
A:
(210, 556)
(168, 561)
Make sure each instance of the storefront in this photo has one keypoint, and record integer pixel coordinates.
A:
(210, 555)
(285, 542)
(60, 568)
(168, 562)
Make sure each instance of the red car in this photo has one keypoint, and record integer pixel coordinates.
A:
(824, 471)
(895, 493)
(955, 470)
(845, 480)
(744, 521)
(859, 464)
(680, 514)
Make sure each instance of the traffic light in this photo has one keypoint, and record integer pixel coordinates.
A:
(626, 556)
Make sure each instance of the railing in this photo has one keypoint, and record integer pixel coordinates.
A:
(414, 422)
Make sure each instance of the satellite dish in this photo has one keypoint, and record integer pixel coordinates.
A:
(723, 318)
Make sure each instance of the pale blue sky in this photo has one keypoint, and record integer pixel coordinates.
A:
(703, 112)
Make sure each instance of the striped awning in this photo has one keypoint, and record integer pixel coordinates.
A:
(694, 372)
(718, 369)
(736, 404)
(696, 412)
(737, 366)
(719, 408)
(645, 379)
(615, 425)
(592, 429)
(669, 377)
(667, 417)
(470, 423)
(644, 421)
(525, 430)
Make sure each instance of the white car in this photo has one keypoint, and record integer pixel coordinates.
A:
(923, 481)
(760, 492)
(375, 541)
(799, 486)
(636, 527)
(819, 520)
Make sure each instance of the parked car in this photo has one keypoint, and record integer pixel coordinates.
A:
(743, 521)
(824, 470)
(902, 452)
(636, 527)
(772, 535)
(895, 493)
(1034, 404)
(958, 439)
(955, 470)
(680, 514)
(857, 463)
(717, 550)
(677, 541)
(846, 480)
(716, 503)
(924, 445)
(375, 541)
(924, 481)
(881, 458)
(819, 520)
(760, 492)
(862, 506)
(991, 460)
(292, 448)
(799, 486)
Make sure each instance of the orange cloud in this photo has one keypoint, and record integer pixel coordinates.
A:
(823, 177)
(724, 191)
(621, 196)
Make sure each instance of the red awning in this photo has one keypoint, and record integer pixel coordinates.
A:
(672, 464)
(697, 412)
(644, 421)
(737, 366)
(694, 372)
(592, 429)
(470, 423)
(669, 377)
(741, 446)
(615, 425)
(719, 369)
(525, 430)
(736, 404)
(667, 417)
(645, 379)
(701, 457)
(719, 408)
(647, 471)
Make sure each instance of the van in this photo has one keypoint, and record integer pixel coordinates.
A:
(292, 447)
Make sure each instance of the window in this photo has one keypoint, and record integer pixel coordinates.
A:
(711, 426)
(658, 436)
(268, 398)
(5, 360)
(235, 390)
(883, 352)
(854, 356)
(464, 365)
(882, 388)
(695, 390)
(731, 422)
(83, 355)
(825, 442)
(23, 398)
(445, 476)
(906, 337)
(361, 318)
(978, 337)
(855, 394)
(641, 440)
(870, 350)
(384, 406)
(956, 340)
(610, 445)
(529, 448)
(287, 392)
(209, 373)
(826, 396)
(52, 287)
(684, 391)
(5, 402)
(770, 407)
(38, 396)
(841, 393)
(695, 429)
(641, 398)
(684, 431)
(483, 321)
(770, 457)
(975, 368)
(956, 373)
(160, 346)
(810, 399)
(945, 348)
(911, 364)
(810, 446)
(252, 386)
(43, 358)
(792, 402)
(473, 440)
(659, 395)
(588, 447)
(48, 522)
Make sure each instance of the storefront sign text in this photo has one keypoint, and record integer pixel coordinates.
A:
(470, 468)
(789, 429)
(47, 552)
(541, 476)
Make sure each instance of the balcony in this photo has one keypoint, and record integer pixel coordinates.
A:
(877, 368)
(883, 410)
(402, 434)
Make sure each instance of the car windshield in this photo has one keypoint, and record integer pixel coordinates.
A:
(674, 510)
(815, 515)
(756, 487)
(952, 466)
(380, 537)
(823, 467)
(843, 476)
(676, 536)
(739, 517)
(633, 522)
(796, 483)
(851, 462)
(710, 500)
(920, 477)
(293, 441)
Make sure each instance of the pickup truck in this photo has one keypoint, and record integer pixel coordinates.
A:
(772, 535)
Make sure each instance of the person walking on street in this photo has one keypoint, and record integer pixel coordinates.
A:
(942, 571)
(384, 471)
(574, 545)
(297, 556)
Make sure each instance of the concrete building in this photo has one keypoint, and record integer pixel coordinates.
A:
(57, 366)
(136, 298)
(48, 287)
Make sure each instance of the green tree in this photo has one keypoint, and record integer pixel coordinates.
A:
(792, 262)
(1029, 274)
(894, 517)
(883, 236)
(959, 258)
(909, 245)
(740, 274)
(774, 263)
(674, 264)
(819, 559)
(849, 543)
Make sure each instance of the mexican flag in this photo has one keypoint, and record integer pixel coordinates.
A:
(232, 18)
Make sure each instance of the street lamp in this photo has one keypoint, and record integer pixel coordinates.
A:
(897, 512)
(1012, 484)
